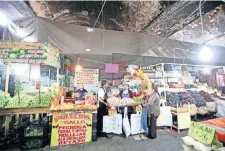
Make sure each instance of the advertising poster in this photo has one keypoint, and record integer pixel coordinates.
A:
(72, 128)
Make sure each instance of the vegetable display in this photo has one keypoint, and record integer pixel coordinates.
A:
(138, 99)
(186, 98)
(173, 99)
(25, 100)
(199, 100)
(115, 101)
(206, 96)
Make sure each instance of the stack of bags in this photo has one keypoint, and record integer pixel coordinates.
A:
(192, 145)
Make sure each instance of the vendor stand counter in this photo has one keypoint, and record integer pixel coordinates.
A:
(219, 125)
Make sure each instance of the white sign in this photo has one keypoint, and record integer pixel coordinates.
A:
(87, 76)
(136, 124)
(112, 124)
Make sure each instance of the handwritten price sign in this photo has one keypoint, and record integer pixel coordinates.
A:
(202, 133)
(112, 112)
(87, 76)
(138, 109)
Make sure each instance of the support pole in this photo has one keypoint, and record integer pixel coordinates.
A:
(7, 78)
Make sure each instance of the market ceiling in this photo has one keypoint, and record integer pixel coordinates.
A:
(153, 17)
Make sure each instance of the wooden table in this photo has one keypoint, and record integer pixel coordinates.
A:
(18, 112)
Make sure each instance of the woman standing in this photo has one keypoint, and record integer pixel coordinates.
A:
(153, 112)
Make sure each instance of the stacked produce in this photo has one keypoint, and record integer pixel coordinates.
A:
(24, 101)
(173, 99)
(186, 98)
(115, 101)
(70, 106)
(138, 99)
(206, 96)
(15, 102)
(199, 100)
(4, 98)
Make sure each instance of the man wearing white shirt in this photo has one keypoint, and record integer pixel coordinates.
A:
(102, 105)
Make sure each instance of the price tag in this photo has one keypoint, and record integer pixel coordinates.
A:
(112, 112)
(138, 109)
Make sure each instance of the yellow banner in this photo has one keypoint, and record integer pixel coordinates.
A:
(73, 128)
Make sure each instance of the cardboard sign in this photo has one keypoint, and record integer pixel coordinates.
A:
(138, 109)
(87, 76)
(201, 133)
(112, 112)
(72, 128)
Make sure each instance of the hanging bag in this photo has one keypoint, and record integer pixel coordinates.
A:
(126, 124)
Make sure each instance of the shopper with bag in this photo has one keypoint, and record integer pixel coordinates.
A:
(102, 107)
(153, 112)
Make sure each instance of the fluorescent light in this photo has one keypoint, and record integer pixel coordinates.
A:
(3, 19)
(88, 50)
(205, 54)
(90, 29)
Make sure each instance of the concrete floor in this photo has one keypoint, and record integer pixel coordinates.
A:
(164, 142)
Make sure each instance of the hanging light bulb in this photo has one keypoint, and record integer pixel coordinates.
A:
(205, 54)
(78, 68)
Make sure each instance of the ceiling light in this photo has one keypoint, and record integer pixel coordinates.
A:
(88, 50)
(78, 68)
(3, 19)
(205, 54)
(90, 29)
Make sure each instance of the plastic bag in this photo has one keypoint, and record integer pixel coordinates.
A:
(187, 148)
(126, 124)
(202, 110)
(165, 116)
(188, 141)
(201, 147)
(112, 124)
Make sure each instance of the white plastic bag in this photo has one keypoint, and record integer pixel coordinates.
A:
(187, 148)
(136, 125)
(165, 116)
(112, 124)
(188, 141)
(201, 147)
(126, 124)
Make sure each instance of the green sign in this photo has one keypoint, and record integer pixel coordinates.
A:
(202, 133)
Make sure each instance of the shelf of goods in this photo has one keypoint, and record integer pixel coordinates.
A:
(183, 116)
(118, 102)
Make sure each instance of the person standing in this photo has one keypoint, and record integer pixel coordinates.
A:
(153, 112)
(102, 106)
(81, 93)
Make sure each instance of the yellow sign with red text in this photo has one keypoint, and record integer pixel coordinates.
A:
(71, 128)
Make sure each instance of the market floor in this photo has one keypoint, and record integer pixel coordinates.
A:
(164, 142)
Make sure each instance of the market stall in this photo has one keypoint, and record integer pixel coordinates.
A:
(25, 94)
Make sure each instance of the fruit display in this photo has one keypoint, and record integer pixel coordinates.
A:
(32, 143)
(186, 98)
(15, 102)
(90, 99)
(173, 99)
(70, 106)
(115, 101)
(138, 99)
(206, 96)
(199, 100)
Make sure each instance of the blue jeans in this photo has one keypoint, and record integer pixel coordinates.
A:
(145, 119)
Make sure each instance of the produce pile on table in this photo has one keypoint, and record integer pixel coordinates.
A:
(206, 96)
(115, 101)
(186, 98)
(74, 107)
(173, 99)
(25, 101)
(199, 100)
(138, 99)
